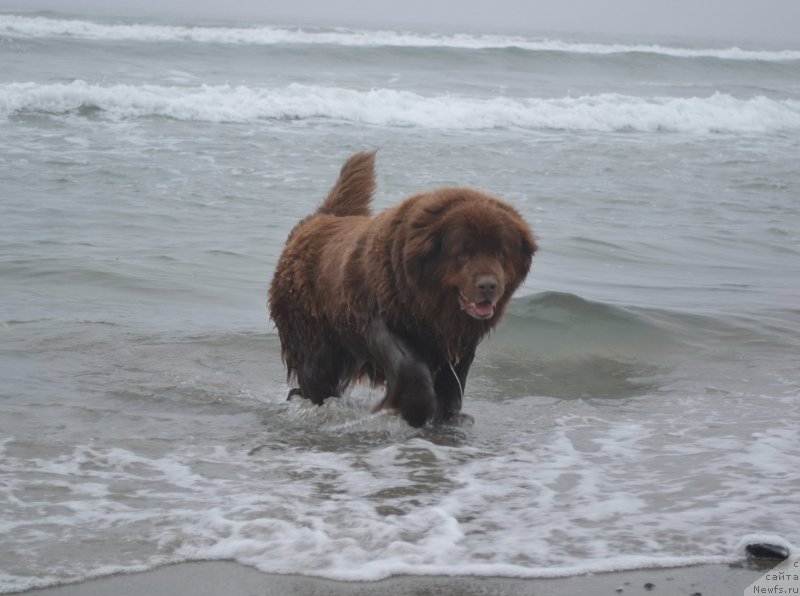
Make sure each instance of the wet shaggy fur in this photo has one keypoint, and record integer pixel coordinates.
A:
(401, 298)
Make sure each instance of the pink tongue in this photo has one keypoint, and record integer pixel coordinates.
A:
(484, 309)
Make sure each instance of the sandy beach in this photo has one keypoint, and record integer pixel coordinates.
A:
(231, 579)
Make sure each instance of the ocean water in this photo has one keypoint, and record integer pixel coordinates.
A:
(637, 408)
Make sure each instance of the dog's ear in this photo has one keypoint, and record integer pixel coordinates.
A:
(421, 252)
(528, 248)
(528, 241)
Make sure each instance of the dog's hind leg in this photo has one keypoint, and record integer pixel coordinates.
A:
(321, 372)
(409, 383)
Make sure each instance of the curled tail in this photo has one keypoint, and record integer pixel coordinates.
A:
(353, 190)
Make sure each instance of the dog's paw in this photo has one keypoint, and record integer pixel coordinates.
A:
(454, 419)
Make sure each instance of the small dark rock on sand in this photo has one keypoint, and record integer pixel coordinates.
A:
(763, 550)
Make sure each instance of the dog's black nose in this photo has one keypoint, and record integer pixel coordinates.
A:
(487, 284)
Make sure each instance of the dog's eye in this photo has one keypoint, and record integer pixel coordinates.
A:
(462, 258)
(501, 256)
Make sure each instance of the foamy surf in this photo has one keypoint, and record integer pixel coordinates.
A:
(717, 113)
(410, 506)
(25, 26)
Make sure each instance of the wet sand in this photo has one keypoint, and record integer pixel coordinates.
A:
(231, 579)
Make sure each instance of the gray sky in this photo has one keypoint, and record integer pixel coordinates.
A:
(775, 21)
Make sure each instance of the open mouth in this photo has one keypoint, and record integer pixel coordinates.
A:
(477, 310)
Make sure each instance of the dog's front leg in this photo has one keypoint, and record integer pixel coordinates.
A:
(409, 382)
(450, 385)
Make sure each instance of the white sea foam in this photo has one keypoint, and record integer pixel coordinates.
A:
(270, 35)
(588, 497)
(389, 107)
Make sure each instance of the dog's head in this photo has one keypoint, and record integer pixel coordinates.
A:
(468, 251)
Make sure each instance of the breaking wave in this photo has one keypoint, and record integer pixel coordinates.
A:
(26, 26)
(720, 113)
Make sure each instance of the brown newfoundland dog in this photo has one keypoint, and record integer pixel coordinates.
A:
(402, 298)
